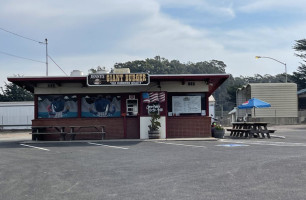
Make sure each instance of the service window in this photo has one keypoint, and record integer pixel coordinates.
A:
(131, 107)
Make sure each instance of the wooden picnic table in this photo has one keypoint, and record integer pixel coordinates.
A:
(43, 130)
(74, 130)
(250, 129)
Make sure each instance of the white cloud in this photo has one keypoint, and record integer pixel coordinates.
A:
(264, 5)
(88, 34)
(242, 45)
(215, 10)
(65, 14)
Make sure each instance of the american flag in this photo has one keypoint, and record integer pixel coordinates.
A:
(153, 96)
(162, 97)
(145, 97)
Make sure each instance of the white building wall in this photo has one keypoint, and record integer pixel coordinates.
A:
(145, 122)
(12, 113)
(211, 108)
(281, 96)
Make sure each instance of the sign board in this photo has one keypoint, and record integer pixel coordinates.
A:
(132, 79)
(186, 104)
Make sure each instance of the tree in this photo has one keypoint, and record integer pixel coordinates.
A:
(225, 95)
(299, 77)
(160, 65)
(300, 47)
(13, 92)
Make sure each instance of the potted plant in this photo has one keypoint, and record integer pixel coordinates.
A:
(154, 132)
(218, 131)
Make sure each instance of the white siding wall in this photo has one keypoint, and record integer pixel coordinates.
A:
(242, 95)
(281, 96)
(16, 113)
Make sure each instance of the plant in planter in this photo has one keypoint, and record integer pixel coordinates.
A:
(218, 131)
(154, 126)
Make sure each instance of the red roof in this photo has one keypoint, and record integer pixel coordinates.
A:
(213, 80)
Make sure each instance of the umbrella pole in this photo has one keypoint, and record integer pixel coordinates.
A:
(254, 114)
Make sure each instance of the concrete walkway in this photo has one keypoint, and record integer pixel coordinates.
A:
(27, 138)
(17, 135)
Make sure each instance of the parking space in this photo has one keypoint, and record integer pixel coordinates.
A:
(224, 169)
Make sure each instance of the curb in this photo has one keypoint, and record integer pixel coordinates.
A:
(119, 140)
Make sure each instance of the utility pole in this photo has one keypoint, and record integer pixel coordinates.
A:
(46, 43)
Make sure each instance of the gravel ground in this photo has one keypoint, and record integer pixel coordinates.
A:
(15, 135)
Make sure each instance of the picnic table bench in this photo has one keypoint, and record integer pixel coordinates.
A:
(61, 130)
(99, 129)
(250, 129)
(239, 132)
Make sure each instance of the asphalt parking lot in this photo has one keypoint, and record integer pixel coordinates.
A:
(157, 169)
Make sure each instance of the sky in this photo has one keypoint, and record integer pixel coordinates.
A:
(87, 34)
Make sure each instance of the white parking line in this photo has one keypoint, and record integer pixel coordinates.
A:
(186, 145)
(107, 145)
(280, 144)
(34, 147)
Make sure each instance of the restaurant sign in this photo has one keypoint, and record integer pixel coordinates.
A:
(118, 79)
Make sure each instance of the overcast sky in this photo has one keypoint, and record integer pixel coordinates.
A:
(87, 34)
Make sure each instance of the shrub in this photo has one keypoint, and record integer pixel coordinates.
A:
(219, 127)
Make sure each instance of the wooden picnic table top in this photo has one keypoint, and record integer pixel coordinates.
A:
(58, 126)
(88, 126)
(250, 123)
(49, 126)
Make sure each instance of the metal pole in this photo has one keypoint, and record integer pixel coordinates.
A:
(286, 72)
(276, 61)
(46, 42)
(275, 116)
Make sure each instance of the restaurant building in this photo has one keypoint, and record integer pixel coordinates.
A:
(123, 102)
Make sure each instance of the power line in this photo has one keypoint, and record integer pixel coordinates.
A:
(20, 35)
(46, 43)
(8, 54)
(57, 65)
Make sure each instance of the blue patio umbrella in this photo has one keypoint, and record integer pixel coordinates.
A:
(254, 103)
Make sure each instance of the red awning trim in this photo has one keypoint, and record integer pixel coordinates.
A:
(213, 80)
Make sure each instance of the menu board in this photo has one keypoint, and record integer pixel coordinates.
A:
(186, 104)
